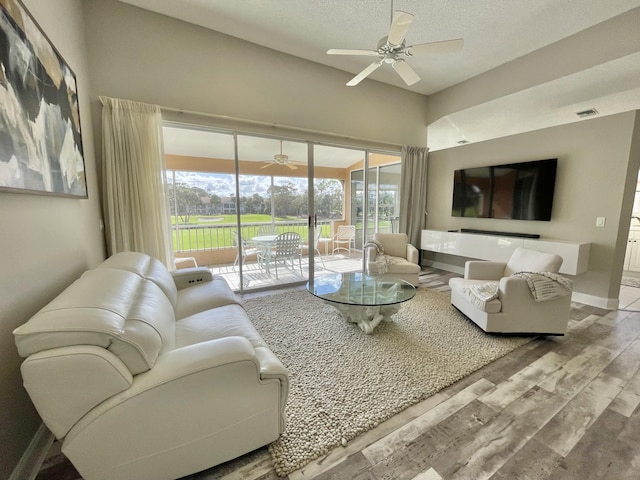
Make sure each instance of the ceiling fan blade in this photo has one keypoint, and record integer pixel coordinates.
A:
(364, 74)
(268, 165)
(291, 166)
(446, 46)
(406, 72)
(340, 51)
(399, 27)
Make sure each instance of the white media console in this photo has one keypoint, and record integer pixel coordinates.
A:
(499, 248)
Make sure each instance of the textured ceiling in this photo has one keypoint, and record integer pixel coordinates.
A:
(495, 32)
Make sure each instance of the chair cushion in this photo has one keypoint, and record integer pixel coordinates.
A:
(395, 265)
(463, 287)
(394, 244)
(526, 260)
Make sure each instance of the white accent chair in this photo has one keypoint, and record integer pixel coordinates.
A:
(400, 257)
(145, 374)
(514, 310)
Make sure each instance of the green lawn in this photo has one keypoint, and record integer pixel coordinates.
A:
(223, 228)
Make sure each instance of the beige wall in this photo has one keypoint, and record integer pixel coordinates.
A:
(46, 242)
(597, 168)
(151, 58)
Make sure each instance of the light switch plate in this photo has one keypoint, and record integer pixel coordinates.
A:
(600, 221)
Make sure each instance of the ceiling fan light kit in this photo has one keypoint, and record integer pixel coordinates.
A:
(392, 49)
(283, 160)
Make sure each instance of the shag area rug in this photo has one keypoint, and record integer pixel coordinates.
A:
(343, 382)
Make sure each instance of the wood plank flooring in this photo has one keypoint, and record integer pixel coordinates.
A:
(559, 408)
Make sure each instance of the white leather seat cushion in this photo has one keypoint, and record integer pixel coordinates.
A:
(224, 321)
(204, 296)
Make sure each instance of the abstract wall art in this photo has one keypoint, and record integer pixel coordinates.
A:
(40, 138)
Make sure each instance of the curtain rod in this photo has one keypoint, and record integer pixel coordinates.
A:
(268, 125)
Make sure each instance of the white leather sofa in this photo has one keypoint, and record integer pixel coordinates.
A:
(399, 257)
(147, 374)
(514, 310)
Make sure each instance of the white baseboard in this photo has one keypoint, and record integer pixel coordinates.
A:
(600, 302)
(32, 458)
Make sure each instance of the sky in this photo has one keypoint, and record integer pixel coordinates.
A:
(223, 185)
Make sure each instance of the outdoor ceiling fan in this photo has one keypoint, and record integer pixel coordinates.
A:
(392, 49)
(282, 159)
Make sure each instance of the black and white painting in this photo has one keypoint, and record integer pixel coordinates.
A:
(40, 138)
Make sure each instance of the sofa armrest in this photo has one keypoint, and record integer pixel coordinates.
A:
(186, 277)
(412, 254)
(196, 360)
(484, 270)
(196, 398)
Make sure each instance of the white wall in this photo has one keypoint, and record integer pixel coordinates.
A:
(140, 55)
(46, 242)
(595, 178)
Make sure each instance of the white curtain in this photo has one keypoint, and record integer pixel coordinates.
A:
(133, 167)
(413, 191)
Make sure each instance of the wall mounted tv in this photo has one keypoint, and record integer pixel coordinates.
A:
(518, 191)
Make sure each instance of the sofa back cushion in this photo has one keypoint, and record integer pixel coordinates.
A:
(147, 267)
(526, 260)
(394, 244)
(113, 309)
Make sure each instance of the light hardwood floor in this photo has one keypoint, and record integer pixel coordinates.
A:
(558, 408)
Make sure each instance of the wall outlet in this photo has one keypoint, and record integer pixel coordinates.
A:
(600, 221)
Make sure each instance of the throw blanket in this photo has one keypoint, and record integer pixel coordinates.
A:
(545, 285)
(482, 293)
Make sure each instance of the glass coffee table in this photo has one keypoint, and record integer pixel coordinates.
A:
(362, 299)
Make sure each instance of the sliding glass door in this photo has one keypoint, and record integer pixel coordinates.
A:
(232, 194)
(378, 196)
(274, 211)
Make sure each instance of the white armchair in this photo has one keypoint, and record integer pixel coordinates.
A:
(393, 254)
(512, 308)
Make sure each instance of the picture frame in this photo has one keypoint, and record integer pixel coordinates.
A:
(40, 137)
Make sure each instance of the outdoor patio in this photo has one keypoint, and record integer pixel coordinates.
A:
(255, 278)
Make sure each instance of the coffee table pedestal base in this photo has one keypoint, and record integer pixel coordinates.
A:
(366, 317)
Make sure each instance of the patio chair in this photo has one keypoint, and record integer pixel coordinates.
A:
(316, 238)
(244, 250)
(286, 248)
(269, 229)
(346, 235)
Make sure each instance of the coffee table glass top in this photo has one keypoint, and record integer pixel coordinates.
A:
(356, 288)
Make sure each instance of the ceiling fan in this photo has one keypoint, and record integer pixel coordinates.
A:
(392, 49)
(282, 159)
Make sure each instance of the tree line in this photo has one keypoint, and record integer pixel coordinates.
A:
(287, 200)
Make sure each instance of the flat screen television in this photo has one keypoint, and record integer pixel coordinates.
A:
(518, 191)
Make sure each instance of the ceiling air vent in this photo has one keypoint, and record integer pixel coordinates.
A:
(587, 113)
